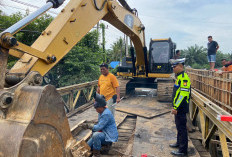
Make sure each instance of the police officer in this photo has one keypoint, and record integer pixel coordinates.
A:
(181, 96)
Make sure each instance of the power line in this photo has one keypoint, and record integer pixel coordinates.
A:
(15, 7)
(30, 5)
(24, 3)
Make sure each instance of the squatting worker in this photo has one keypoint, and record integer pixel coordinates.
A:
(109, 87)
(227, 66)
(212, 49)
(181, 97)
(105, 131)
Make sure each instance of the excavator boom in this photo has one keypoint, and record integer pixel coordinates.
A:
(33, 121)
(69, 27)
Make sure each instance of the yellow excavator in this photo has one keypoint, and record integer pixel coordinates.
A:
(33, 121)
(156, 72)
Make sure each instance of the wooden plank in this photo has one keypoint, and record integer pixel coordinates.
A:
(90, 93)
(84, 135)
(76, 129)
(141, 112)
(119, 117)
(224, 145)
(75, 101)
(147, 108)
(70, 100)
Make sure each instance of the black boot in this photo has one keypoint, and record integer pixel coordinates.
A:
(177, 153)
(174, 145)
(96, 153)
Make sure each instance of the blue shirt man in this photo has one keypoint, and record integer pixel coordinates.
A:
(105, 131)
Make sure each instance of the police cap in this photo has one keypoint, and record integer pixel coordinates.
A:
(174, 62)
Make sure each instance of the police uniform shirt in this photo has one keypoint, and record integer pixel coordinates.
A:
(181, 93)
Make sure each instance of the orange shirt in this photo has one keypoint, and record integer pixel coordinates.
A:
(229, 68)
(107, 85)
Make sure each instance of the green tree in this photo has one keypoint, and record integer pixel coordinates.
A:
(81, 64)
(195, 54)
(117, 51)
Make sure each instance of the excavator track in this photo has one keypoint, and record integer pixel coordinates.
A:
(164, 90)
(122, 83)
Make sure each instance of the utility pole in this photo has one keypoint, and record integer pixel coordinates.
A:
(103, 40)
(98, 42)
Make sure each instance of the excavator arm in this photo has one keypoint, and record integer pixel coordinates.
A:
(33, 121)
(69, 27)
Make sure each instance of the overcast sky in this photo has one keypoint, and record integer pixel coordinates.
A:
(187, 22)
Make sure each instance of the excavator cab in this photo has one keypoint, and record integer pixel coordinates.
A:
(160, 51)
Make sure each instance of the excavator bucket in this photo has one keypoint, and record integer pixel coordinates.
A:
(36, 125)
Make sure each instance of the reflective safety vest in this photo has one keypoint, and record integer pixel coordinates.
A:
(183, 90)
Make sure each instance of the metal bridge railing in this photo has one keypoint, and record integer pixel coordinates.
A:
(71, 94)
(216, 87)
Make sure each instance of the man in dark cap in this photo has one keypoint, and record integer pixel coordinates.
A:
(105, 131)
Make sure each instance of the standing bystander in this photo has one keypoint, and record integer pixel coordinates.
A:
(109, 87)
(212, 49)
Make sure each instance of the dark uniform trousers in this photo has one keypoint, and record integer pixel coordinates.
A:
(182, 134)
